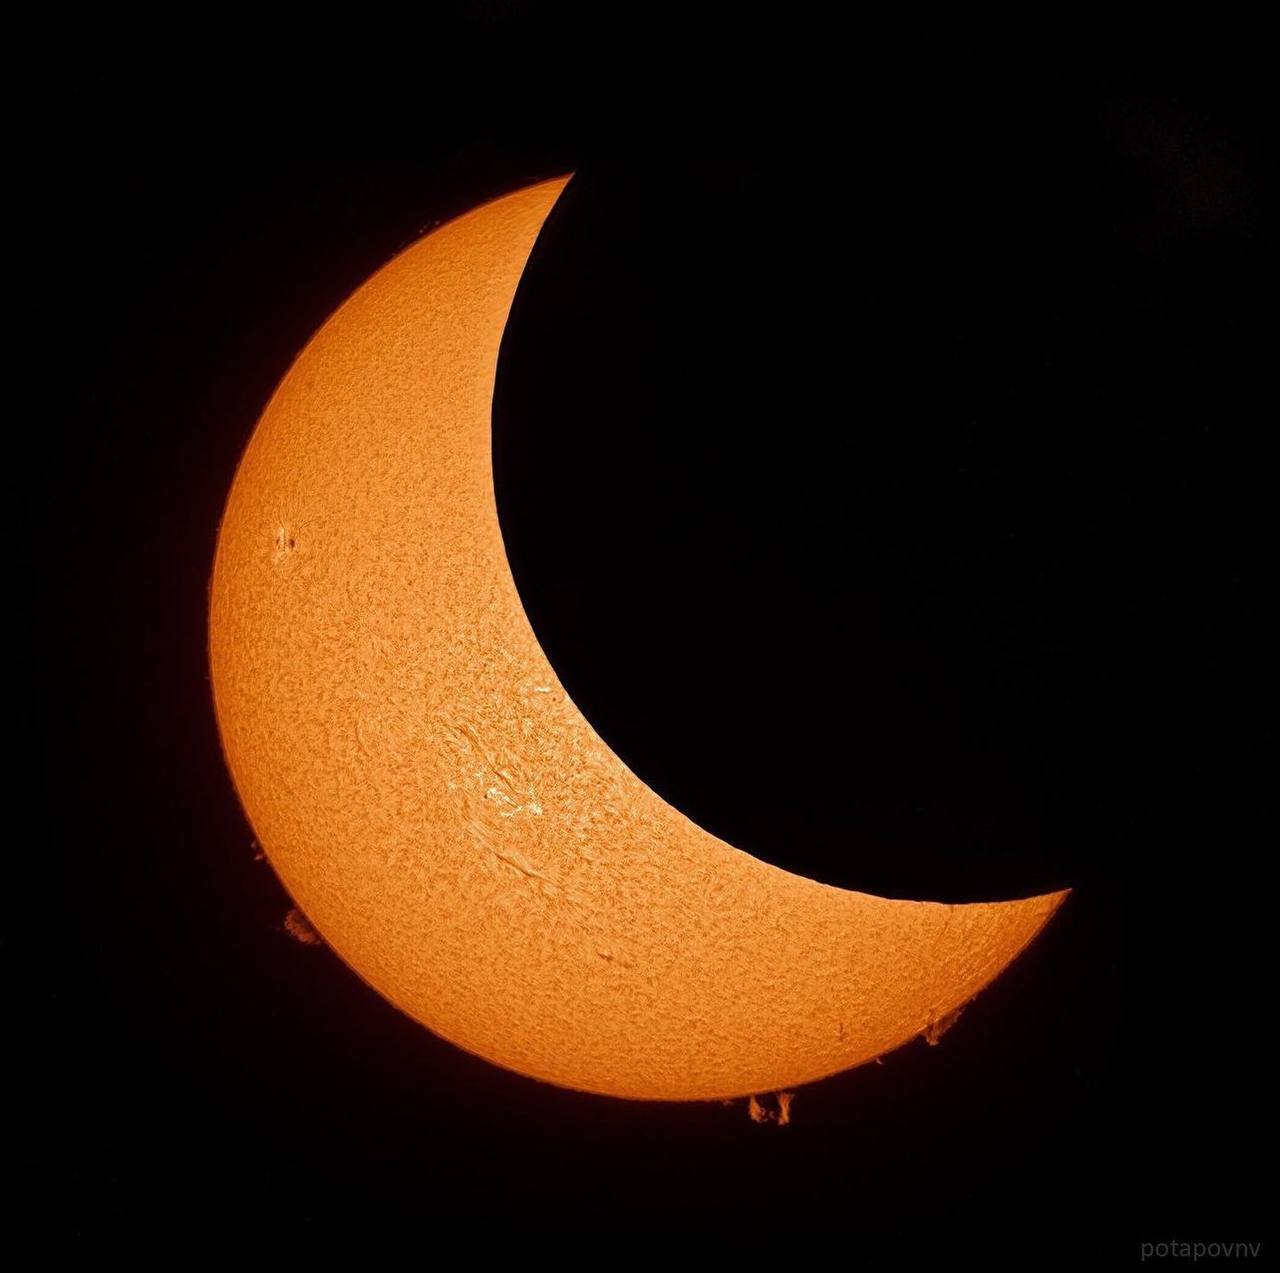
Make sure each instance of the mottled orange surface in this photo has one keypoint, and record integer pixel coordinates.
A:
(443, 813)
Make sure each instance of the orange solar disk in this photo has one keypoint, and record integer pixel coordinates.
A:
(441, 811)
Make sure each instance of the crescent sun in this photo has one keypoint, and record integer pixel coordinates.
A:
(435, 803)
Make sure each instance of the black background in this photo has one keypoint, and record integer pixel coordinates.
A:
(879, 442)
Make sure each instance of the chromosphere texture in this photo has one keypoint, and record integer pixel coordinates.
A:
(441, 811)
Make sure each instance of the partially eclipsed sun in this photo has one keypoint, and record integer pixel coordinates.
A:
(441, 811)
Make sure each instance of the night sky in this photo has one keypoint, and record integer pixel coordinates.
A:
(912, 386)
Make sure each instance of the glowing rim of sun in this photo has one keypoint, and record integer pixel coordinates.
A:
(440, 810)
